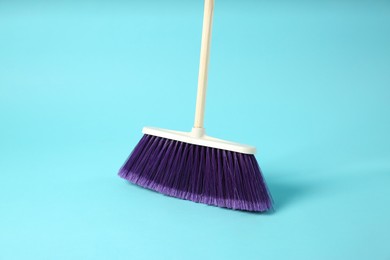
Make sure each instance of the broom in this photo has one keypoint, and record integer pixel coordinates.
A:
(194, 166)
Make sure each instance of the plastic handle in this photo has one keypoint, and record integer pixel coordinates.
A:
(204, 63)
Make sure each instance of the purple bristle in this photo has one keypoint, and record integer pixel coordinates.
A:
(202, 174)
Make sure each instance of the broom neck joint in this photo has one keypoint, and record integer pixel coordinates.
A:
(198, 132)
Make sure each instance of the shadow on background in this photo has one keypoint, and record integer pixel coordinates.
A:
(286, 192)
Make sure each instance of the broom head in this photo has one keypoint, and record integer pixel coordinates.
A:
(193, 166)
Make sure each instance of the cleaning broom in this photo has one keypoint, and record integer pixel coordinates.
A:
(194, 166)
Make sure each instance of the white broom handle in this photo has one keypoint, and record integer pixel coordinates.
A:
(204, 63)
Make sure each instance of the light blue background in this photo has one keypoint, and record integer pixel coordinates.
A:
(306, 82)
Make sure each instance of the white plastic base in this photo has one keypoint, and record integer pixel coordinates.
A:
(197, 136)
